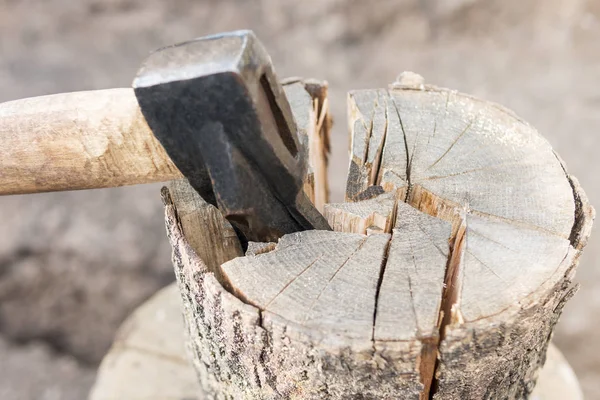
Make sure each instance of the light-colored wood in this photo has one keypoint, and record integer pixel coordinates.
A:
(331, 287)
(409, 302)
(80, 140)
(148, 360)
(459, 302)
(211, 236)
(368, 118)
(308, 100)
(374, 214)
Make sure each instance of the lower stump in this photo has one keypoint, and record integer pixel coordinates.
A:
(145, 362)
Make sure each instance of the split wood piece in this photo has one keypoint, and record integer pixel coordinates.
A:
(409, 299)
(320, 280)
(368, 120)
(80, 140)
(208, 232)
(308, 100)
(459, 302)
(374, 215)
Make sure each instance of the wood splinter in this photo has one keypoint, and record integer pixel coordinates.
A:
(453, 258)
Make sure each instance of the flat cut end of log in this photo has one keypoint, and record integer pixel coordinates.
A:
(449, 266)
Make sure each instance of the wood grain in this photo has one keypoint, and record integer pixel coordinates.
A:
(210, 235)
(308, 99)
(79, 140)
(376, 214)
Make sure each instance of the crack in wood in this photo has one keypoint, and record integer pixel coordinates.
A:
(451, 146)
(408, 160)
(379, 283)
(484, 168)
(519, 224)
(369, 131)
(450, 295)
(431, 239)
(524, 299)
(375, 173)
(486, 266)
(412, 299)
(491, 240)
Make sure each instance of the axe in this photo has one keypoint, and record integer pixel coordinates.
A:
(210, 110)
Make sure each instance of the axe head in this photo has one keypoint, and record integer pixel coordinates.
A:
(217, 108)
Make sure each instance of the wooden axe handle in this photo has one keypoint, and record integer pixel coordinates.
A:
(80, 140)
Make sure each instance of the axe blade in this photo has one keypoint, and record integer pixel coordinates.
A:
(216, 107)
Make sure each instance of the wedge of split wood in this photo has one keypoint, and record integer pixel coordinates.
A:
(451, 262)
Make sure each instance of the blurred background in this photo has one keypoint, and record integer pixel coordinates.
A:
(73, 265)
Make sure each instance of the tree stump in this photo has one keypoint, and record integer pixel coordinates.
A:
(450, 263)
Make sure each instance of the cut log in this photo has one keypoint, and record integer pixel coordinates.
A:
(451, 265)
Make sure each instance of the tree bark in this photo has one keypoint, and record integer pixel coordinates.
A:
(450, 265)
(145, 362)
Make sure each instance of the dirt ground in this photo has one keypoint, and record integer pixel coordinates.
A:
(73, 265)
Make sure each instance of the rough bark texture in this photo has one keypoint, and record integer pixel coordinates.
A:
(458, 302)
(148, 362)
